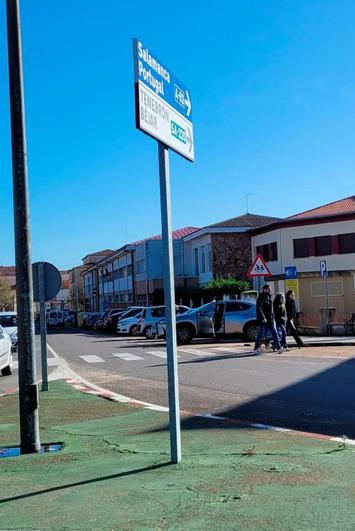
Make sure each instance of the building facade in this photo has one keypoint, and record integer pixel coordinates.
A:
(324, 233)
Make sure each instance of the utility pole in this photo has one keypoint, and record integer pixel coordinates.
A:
(29, 424)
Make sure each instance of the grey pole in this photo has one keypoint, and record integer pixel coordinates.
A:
(28, 390)
(169, 299)
(43, 325)
(327, 301)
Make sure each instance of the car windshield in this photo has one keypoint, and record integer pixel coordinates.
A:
(203, 308)
(131, 313)
(8, 320)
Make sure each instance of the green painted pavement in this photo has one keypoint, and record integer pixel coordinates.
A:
(114, 473)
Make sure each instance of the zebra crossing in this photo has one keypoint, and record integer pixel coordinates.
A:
(145, 355)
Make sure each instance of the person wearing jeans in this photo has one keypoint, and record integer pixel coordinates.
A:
(280, 318)
(266, 320)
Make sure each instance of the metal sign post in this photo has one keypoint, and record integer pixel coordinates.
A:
(323, 266)
(43, 326)
(28, 391)
(164, 112)
(47, 283)
(169, 299)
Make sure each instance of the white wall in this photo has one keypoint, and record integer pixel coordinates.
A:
(285, 236)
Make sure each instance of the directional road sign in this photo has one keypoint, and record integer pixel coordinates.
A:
(259, 268)
(323, 266)
(163, 103)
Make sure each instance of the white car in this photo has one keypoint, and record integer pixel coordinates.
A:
(129, 325)
(6, 356)
(55, 318)
(8, 322)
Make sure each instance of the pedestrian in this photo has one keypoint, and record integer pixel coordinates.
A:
(217, 321)
(280, 318)
(291, 314)
(266, 320)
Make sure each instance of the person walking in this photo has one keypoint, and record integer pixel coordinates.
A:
(266, 320)
(291, 314)
(280, 318)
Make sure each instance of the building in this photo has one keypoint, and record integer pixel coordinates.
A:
(222, 249)
(303, 240)
(133, 274)
(76, 279)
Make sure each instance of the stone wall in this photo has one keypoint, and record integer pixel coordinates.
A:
(231, 255)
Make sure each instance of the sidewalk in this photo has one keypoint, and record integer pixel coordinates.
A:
(114, 473)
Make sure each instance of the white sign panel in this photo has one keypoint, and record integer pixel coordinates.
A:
(163, 103)
(259, 268)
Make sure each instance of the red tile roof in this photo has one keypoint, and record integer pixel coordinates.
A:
(336, 208)
(177, 235)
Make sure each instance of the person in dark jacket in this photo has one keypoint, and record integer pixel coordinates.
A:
(291, 314)
(266, 320)
(280, 318)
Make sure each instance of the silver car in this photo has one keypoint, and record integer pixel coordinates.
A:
(217, 318)
(152, 314)
(6, 355)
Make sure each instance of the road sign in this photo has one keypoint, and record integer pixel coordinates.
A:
(259, 268)
(323, 268)
(163, 103)
(290, 272)
(52, 281)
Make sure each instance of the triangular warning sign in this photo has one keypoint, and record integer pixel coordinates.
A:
(259, 268)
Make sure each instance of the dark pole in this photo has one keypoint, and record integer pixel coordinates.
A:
(26, 346)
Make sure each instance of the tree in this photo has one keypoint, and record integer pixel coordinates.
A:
(226, 286)
(6, 296)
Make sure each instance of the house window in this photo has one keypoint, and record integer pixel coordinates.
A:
(268, 251)
(140, 266)
(300, 248)
(196, 268)
(347, 243)
(323, 245)
(129, 270)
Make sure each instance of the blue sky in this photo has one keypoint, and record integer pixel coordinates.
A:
(273, 94)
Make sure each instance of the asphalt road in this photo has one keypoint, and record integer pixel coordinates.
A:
(295, 391)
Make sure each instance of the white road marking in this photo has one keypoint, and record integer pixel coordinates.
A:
(51, 362)
(91, 358)
(127, 356)
(196, 352)
(158, 353)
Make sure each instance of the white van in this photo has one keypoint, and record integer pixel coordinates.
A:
(55, 318)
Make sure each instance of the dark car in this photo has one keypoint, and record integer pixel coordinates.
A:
(90, 320)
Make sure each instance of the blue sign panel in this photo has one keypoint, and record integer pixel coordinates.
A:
(290, 272)
(152, 73)
(163, 102)
(323, 266)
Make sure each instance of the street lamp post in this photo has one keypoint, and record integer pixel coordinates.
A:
(28, 390)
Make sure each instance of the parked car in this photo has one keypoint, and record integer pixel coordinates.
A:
(151, 315)
(129, 325)
(236, 317)
(8, 322)
(55, 318)
(91, 320)
(6, 355)
(100, 323)
(112, 320)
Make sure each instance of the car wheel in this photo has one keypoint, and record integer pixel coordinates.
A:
(7, 371)
(133, 331)
(148, 332)
(251, 331)
(184, 335)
